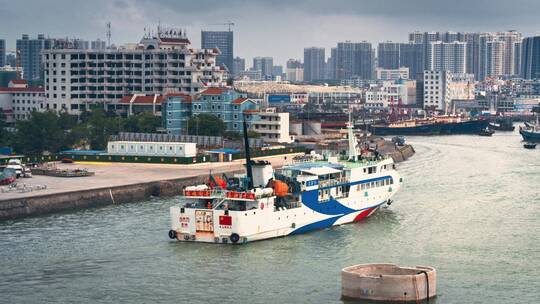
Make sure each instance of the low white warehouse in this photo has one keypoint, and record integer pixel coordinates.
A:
(139, 148)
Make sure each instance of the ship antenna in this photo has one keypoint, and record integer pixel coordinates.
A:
(248, 157)
(353, 153)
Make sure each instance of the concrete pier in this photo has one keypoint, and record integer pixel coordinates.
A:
(113, 183)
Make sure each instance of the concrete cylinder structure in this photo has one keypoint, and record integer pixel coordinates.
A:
(295, 127)
(312, 128)
(388, 282)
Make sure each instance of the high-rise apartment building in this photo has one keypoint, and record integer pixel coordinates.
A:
(314, 63)
(411, 55)
(98, 45)
(494, 49)
(265, 65)
(447, 56)
(159, 64)
(294, 70)
(239, 65)
(277, 70)
(416, 37)
(388, 55)
(2, 53)
(330, 68)
(530, 58)
(224, 41)
(29, 51)
(495, 55)
(512, 51)
(478, 53)
(294, 64)
(354, 59)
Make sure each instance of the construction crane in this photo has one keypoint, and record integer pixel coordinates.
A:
(17, 61)
(228, 23)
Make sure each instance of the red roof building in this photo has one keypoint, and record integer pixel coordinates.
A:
(240, 100)
(142, 99)
(214, 91)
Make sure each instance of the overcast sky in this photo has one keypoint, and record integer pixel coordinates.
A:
(266, 28)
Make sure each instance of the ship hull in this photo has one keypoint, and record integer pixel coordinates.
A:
(291, 226)
(269, 220)
(433, 129)
(465, 127)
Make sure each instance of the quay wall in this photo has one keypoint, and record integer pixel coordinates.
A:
(74, 200)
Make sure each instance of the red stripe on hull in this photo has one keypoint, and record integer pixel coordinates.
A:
(364, 214)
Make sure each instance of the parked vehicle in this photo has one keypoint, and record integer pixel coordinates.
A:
(16, 165)
(7, 176)
(27, 172)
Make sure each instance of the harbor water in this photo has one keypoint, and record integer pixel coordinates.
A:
(470, 207)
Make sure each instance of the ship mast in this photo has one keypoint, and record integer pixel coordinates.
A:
(248, 157)
(353, 153)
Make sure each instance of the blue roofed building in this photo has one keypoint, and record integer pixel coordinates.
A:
(176, 112)
(226, 104)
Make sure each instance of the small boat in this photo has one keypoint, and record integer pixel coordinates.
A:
(529, 145)
(502, 124)
(398, 140)
(486, 132)
(531, 131)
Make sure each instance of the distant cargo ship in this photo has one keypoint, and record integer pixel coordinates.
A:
(440, 125)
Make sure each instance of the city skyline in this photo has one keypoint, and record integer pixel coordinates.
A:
(291, 29)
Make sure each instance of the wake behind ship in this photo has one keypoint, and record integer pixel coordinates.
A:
(439, 125)
(307, 195)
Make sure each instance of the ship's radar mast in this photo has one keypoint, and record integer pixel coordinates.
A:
(353, 153)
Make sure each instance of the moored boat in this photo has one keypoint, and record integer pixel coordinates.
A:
(438, 125)
(529, 145)
(486, 132)
(297, 198)
(502, 124)
(531, 132)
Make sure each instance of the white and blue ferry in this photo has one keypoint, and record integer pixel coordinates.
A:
(297, 198)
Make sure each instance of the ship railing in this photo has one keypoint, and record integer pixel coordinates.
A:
(303, 159)
(218, 193)
(208, 193)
